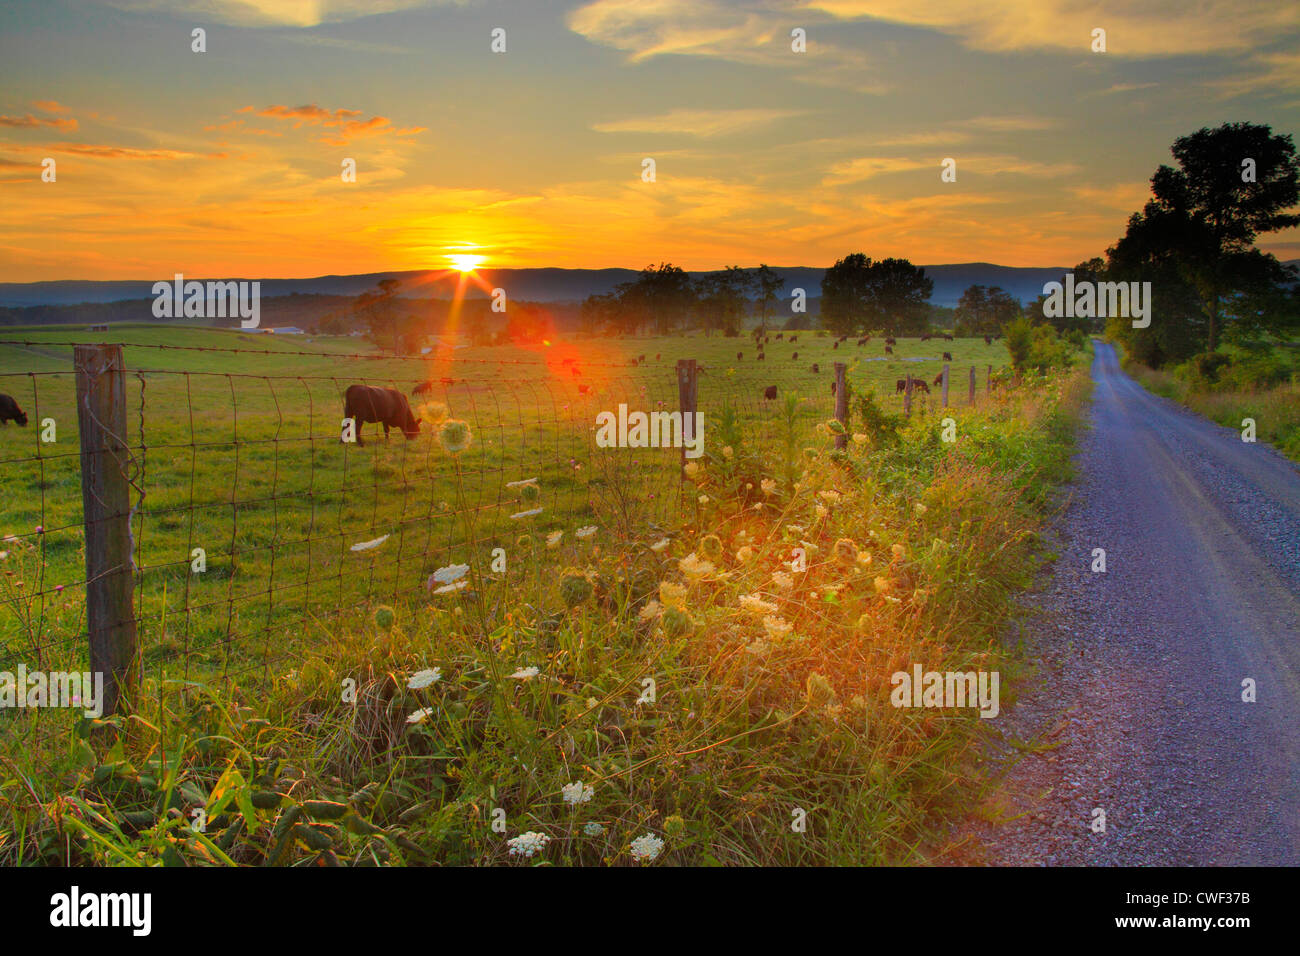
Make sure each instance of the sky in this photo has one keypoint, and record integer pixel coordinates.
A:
(229, 162)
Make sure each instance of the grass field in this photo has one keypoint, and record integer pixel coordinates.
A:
(914, 548)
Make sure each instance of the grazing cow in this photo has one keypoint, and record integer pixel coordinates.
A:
(422, 389)
(769, 393)
(888, 350)
(947, 356)
(740, 356)
(657, 354)
(900, 386)
(793, 339)
(947, 338)
(919, 383)
(816, 368)
(641, 359)
(938, 379)
(794, 357)
(891, 341)
(780, 336)
(584, 389)
(926, 337)
(9, 410)
(387, 406)
(864, 340)
(835, 345)
(762, 357)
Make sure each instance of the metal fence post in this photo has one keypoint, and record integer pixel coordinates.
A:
(106, 502)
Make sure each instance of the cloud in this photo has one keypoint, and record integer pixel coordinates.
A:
(697, 122)
(51, 106)
(1153, 28)
(867, 167)
(757, 35)
(104, 151)
(347, 122)
(274, 13)
(1263, 72)
(36, 122)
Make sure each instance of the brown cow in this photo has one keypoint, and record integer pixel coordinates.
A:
(769, 393)
(900, 386)
(888, 350)
(386, 406)
(919, 384)
(947, 356)
(422, 389)
(9, 410)
(938, 379)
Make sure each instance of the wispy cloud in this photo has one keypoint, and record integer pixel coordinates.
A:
(36, 122)
(274, 13)
(349, 124)
(703, 123)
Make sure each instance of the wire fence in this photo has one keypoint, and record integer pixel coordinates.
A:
(251, 525)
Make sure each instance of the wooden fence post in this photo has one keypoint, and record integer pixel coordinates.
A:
(972, 385)
(907, 396)
(106, 502)
(988, 379)
(687, 394)
(945, 386)
(841, 404)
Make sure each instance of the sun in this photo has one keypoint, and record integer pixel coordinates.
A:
(466, 263)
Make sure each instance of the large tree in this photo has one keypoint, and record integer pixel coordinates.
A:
(1194, 239)
(769, 284)
(985, 310)
(723, 299)
(858, 295)
(662, 297)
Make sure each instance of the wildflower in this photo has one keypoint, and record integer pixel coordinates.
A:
(768, 486)
(864, 558)
(899, 551)
(919, 508)
(593, 829)
(830, 496)
(846, 551)
(782, 580)
(691, 469)
(881, 585)
(553, 539)
(526, 514)
(821, 511)
(369, 545)
(651, 611)
(754, 605)
(674, 826)
(704, 499)
(420, 716)
(818, 691)
(574, 587)
(711, 547)
(525, 673)
(659, 545)
(672, 595)
(758, 648)
(694, 568)
(859, 438)
(676, 622)
(646, 849)
(776, 627)
(727, 451)
(422, 679)
(576, 793)
(585, 532)
(744, 554)
(526, 844)
(455, 436)
(452, 572)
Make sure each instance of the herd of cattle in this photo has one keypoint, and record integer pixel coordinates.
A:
(389, 407)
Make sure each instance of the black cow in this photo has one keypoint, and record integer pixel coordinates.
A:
(900, 385)
(947, 338)
(769, 393)
(888, 350)
(947, 356)
(816, 368)
(387, 406)
(9, 410)
(740, 356)
(794, 357)
(891, 341)
(988, 340)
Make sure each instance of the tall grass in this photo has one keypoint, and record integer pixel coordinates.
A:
(721, 688)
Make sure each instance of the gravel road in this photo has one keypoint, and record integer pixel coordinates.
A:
(1136, 705)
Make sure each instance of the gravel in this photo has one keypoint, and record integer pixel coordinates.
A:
(1135, 703)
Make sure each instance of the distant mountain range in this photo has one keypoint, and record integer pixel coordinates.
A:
(533, 285)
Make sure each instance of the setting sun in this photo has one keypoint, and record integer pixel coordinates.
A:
(466, 263)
